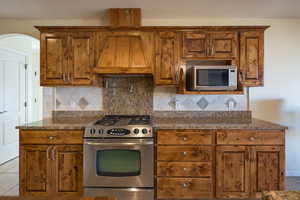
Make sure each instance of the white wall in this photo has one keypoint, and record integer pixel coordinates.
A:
(278, 101)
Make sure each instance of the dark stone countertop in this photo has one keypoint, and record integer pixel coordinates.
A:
(159, 123)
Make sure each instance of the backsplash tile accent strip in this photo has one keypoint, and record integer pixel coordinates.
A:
(135, 95)
(164, 100)
(79, 98)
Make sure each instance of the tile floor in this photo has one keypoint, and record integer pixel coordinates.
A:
(9, 179)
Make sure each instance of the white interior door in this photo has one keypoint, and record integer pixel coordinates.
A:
(13, 86)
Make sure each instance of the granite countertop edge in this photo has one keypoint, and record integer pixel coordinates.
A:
(160, 123)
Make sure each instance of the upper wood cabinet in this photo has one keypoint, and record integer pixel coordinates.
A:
(252, 58)
(218, 44)
(54, 58)
(67, 58)
(195, 44)
(125, 52)
(166, 65)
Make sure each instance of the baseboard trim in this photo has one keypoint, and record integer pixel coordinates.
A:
(293, 173)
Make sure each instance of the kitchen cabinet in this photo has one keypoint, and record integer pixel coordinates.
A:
(183, 166)
(232, 172)
(239, 164)
(68, 160)
(166, 66)
(125, 52)
(67, 58)
(252, 58)
(51, 164)
(267, 169)
(35, 170)
(208, 45)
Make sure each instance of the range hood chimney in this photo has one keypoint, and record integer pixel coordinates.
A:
(125, 51)
(124, 17)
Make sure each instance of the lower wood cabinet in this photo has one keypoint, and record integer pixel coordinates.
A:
(51, 162)
(246, 171)
(184, 188)
(236, 164)
(51, 169)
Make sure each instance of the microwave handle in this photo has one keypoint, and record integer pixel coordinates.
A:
(242, 76)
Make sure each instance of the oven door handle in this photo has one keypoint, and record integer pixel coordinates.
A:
(119, 144)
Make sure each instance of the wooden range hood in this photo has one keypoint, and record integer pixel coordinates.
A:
(125, 52)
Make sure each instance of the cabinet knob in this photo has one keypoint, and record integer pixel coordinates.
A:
(185, 185)
(184, 153)
(252, 138)
(184, 169)
(184, 138)
(51, 137)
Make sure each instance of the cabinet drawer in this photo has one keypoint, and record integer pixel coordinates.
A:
(184, 137)
(51, 137)
(250, 137)
(184, 169)
(184, 188)
(184, 153)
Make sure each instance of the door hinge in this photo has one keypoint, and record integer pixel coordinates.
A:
(25, 104)
(26, 66)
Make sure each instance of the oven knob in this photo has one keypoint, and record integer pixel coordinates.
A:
(100, 131)
(136, 131)
(93, 131)
(144, 131)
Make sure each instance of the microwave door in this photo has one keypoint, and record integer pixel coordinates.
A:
(212, 78)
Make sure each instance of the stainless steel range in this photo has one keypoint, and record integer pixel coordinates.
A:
(118, 157)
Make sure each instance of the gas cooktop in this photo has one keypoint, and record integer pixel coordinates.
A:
(120, 126)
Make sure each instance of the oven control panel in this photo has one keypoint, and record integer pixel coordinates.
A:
(94, 132)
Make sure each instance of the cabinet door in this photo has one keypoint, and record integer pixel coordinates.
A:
(68, 169)
(35, 170)
(232, 172)
(223, 44)
(252, 58)
(166, 58)
(129, 52)
(54, 59)
(82, 59)
(267, 169)
(195, 44)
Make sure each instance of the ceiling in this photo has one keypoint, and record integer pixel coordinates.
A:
(75, 9)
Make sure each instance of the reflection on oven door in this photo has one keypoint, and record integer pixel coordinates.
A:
(122, 194)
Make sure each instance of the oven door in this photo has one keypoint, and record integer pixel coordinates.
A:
(118, 163)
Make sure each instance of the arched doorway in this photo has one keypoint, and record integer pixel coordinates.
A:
(20, 92)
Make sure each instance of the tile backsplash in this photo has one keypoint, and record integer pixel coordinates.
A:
(135, 95)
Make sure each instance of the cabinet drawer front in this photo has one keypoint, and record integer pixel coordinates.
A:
(184, 137)
(184, 153)
(184, 169)
(51, 137)
(250, 137)
(184, 188)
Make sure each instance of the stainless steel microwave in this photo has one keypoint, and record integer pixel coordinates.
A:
(213, 77)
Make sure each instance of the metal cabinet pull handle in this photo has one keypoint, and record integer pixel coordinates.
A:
(48, 152)
(184, 138)
(53, 153)
(64, 77)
